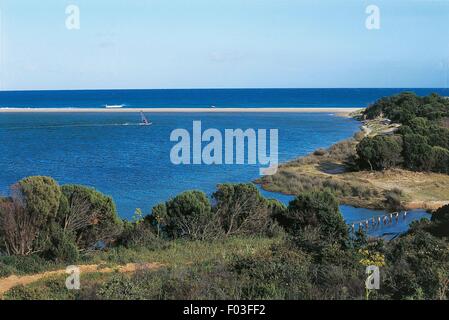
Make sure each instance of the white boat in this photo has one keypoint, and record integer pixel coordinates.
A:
(114, 106)
(144, 121)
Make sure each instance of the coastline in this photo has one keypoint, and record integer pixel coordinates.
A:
(359, 189)
(338, 111)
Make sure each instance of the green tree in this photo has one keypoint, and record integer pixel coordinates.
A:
(189, 215)
(380, 152)
(440, 160)
(319, 210)
(417, 152)
(90, 215)
(40, 196)
(25, 218)
(242, 210)
(417, 267)
(440, 222)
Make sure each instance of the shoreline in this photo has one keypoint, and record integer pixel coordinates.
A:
(340, 111)
(419, 188)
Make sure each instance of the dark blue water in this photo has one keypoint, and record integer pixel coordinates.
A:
(132, 163)
(250, 98)
(111, 153)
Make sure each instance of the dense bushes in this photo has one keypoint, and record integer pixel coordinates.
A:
(55, 223)
(318, 210)
(404, 107)
(89, 215)
(316, 258)
(238, 209)
(380, 152)
(417, 268)
(440, 225)
(425, 139)
(26, 217)
(188, 215)
(241, 210)
(282, 272)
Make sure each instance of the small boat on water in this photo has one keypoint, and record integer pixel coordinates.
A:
(144, 121)
(114, 106)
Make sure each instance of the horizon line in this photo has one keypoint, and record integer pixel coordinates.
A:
(228, 88)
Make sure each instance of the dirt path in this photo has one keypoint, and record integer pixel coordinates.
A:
(12, 281)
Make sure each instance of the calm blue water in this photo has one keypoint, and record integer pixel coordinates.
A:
(250, 98)
(111, 153)
(132, 163)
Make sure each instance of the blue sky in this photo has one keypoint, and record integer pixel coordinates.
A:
(223, 44)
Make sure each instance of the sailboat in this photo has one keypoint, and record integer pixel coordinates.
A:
(144, 121)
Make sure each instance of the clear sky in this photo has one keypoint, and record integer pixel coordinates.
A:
(223, 44)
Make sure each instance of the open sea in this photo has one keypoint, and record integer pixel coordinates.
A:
(131, 163)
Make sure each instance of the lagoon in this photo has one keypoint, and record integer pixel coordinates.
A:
(115, 155)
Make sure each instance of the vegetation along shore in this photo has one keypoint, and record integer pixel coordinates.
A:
(237, 244)
(399, 160)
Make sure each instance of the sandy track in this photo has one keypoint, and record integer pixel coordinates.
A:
(12, 281)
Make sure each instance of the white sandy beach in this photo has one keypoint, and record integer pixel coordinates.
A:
(339, 111)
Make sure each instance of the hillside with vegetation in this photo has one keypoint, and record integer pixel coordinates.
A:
(400, 159)
(234, 245)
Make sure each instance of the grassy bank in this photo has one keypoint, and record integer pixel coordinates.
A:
(48, 280)
(333, 168)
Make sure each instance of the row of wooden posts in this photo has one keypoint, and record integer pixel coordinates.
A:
(378, 221)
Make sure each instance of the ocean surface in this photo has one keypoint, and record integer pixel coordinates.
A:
(112, 153)
(202, 98)
(131, 163)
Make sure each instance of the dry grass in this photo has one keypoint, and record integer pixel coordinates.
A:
(329, 169)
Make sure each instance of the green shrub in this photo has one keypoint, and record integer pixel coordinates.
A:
(242, 210)
(417, 153)
(189, 215)
(140, 235)
(23, 265)
(41, 197)
(416, 268)
(440, 160)
(380, 152)
(316, 209)
(88, 214)
(26, 216)
(62, 246)
(440, 222)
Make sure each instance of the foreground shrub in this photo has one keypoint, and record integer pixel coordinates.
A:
(440, 222)
(89, 215)
(26, 216)
(241, 210)
(417, 268)
(317, 209)
(141, 234)
(189, 215)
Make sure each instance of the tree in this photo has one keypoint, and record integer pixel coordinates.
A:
(189, 215)
(380, 152)
(440, 160)
(25, 218)
(417, 152)
(88, 214)
(416, 267)
(242, 210)
(316, 209)
(40, 196)
(440, 222)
